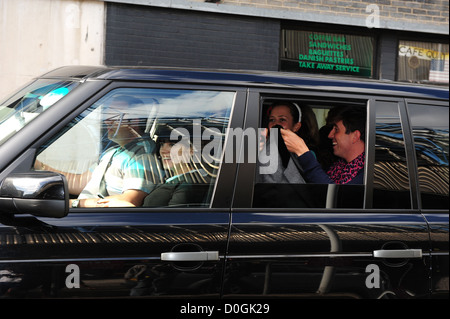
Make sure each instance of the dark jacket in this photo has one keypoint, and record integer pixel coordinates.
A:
(314, 173)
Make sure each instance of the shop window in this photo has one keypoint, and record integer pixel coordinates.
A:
(423, 62)
(326, 53)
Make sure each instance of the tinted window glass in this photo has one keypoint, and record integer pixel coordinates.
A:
(142, 147)
(430, 130)
(283, 179)
(391, 179)
(25, 105)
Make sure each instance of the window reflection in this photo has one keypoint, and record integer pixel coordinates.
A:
(24, 106)
(110, 154)
(391, 177)
(431, 139)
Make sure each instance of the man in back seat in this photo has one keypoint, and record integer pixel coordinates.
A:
(347, 135)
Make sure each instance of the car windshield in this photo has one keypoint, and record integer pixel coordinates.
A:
(25, 105)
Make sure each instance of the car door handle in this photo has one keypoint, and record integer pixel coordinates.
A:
(398, 253)
(190, 256)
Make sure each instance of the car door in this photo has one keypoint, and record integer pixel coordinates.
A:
(332, 241)
(429, 123)
(167, 248)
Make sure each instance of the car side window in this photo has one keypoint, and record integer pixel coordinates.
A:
(319, 178)
(391, 176)
(142, 147)
(430, 131)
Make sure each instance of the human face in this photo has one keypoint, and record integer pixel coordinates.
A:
(281, 115)
(114, 125)
(116, 119)
(342, 142)
(173, 158)
(117, 123)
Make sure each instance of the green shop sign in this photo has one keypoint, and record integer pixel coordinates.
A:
(327, 53)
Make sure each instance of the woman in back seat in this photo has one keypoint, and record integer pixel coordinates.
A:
(347, 136)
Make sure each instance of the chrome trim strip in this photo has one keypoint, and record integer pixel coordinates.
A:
(439, 253)
(331, 255)
(73, 260)
(300, 256)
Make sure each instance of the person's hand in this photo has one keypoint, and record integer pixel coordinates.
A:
(129, 198)
(113, 202)
(110, 201)
(294, 143)
(262, 138)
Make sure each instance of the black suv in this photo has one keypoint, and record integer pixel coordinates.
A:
(210, 228)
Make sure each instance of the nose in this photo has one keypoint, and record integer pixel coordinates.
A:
(331, 134)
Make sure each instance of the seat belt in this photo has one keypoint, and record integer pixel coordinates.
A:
(92, 188)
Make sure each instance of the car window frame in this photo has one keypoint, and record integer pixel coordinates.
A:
(412, 148)
(246, 174)
(223, 188)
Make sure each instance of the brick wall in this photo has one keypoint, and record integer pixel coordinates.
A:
(408, 11)
(145, 35)
(151, 35)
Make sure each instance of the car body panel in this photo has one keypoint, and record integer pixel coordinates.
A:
(325, 252)
(110, 249)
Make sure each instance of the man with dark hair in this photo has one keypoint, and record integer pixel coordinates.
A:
(348, 142)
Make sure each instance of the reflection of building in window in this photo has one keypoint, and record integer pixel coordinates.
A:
(434, 180)
(391, 176)
(430, 131)
(423, 62)
(432, 156)
(189, 170)
(391, 172)
(112, 147)
(201, 133)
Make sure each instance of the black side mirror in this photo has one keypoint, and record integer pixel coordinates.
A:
(43, 194)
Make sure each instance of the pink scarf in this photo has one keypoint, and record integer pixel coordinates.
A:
(342, 172)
